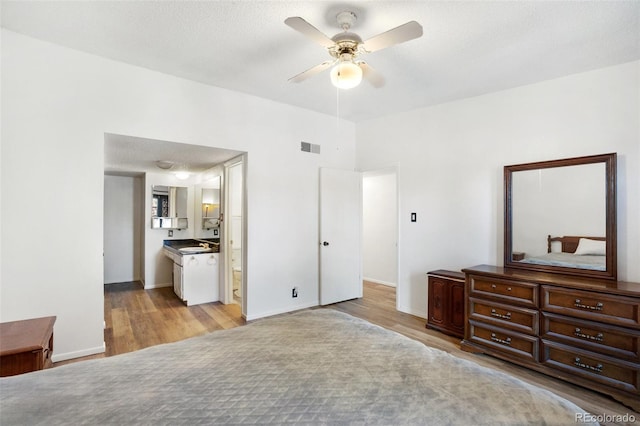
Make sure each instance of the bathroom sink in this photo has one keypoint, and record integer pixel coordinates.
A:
(194, 250)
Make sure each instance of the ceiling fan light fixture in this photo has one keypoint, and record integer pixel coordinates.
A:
(346, 75)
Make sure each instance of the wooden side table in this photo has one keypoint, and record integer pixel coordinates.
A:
(445, 308)
(26, 345)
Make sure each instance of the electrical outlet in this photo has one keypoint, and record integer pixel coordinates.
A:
(171, 232)
(294, 292)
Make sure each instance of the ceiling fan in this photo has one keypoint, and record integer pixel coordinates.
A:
(346, 47)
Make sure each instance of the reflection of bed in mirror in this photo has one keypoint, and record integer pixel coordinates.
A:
(575, 252)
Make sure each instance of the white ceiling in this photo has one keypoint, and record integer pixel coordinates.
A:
(468, 48)
(128, 155)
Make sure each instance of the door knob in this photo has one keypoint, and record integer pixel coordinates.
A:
(325, 243)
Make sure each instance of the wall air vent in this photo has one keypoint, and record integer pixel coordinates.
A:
(310, 147)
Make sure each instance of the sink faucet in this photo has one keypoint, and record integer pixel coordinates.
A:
(204, 245)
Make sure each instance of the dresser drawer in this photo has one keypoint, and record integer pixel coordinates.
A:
(520, 346)
(602, 338)
(521, 293)
(593, 367)
(608, 308)
(507, 316)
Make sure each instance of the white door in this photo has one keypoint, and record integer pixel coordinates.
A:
(340, 235)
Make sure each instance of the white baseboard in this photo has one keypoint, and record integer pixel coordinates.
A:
(373, 280)
(158, 285)
(79, 354)
(282, 311)
(415, 312)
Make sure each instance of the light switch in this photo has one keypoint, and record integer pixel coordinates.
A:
(414, 217)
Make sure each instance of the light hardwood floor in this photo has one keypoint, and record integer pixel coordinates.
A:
(136, 318)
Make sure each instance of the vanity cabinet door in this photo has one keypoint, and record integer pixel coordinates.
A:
(200, 278)
(177, 281)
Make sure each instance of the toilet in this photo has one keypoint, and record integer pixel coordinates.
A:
(237, 280)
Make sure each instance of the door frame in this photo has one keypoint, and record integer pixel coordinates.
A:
(227, 276)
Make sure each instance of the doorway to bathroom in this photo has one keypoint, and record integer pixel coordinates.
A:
(132, 246)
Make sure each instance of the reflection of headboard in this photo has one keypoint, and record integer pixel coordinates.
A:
(569, 243)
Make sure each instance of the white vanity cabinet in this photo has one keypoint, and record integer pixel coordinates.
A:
(199, 278)
(195, 276)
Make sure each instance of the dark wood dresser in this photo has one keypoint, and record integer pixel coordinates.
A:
(446, 302)
(26, 345)
(582, 330)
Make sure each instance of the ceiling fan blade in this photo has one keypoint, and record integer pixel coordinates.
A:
(371, 75)
(302, 26)
(397, 35)
(311, 72)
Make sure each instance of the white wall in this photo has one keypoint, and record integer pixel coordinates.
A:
(450, 166)
(58, 103)
(379, 227)
(123, 197)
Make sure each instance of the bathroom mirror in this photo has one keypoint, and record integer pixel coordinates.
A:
(169, 207)
(211, 206)
(560, 216)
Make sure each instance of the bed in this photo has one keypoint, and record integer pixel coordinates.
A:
(313, 367)
(575, 252)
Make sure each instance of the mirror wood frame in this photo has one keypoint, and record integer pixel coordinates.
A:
(609, 161)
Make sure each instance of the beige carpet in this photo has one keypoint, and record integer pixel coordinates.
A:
(313, 367)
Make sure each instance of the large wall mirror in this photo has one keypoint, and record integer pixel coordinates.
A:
(560, 216)
(211, 205)
(169, 207)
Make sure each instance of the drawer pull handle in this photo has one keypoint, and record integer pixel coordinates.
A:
(493, 287)
(598, 307)
(506, 316)
(579, 363)
(506, 341)
(598, 337)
